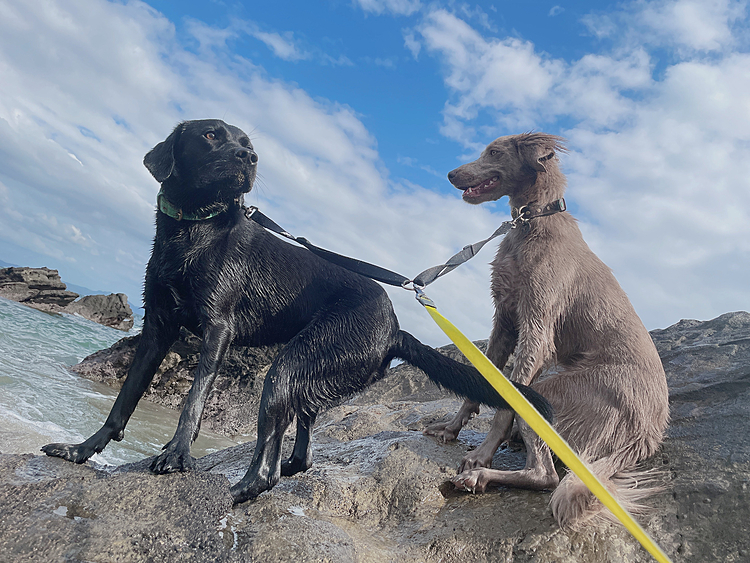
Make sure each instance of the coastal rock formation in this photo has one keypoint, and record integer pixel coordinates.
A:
(379, 490)
(109, 310)
(42, 288)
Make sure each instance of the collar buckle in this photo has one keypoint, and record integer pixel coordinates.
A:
(522, 215)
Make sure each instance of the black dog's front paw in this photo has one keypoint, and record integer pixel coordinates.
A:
(77, 453)
(172, 460)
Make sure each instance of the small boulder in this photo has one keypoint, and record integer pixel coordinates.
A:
(110, 310)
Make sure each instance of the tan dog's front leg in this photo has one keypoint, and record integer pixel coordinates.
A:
(538, 474)
(448, 431)
(499, 433)
(501, 344)
(534, 350)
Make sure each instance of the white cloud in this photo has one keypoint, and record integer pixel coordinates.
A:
(506, 75)
(655, 158)
(700, 25)
(555, 11)
(684, 26)
(282, 47)
(411, 43)
(600, 25)
(397, 7)
(118, 73)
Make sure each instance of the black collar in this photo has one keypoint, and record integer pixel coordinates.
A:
(526, 212)
(171, 210)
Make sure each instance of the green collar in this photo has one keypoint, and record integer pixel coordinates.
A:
(169, 209)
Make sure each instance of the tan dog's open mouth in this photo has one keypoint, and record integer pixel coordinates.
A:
(482, 188)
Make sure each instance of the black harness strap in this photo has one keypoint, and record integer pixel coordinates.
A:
(422, 280)
(358, 266)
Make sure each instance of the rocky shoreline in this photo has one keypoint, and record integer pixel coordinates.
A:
(42, 289)
(379, 490)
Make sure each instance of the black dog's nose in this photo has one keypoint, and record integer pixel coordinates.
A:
(451, 175)
(244, 153)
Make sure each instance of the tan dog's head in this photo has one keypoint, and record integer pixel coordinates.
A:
(510, 166)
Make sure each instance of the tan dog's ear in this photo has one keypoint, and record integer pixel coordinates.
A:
(539, 162)
(536, 149)
(535, 154)
(533, 158)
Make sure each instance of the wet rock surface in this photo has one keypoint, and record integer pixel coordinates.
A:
(378, 490)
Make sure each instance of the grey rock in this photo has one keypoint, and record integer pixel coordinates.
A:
(34, 278)
(16, 291)
(379, 490)
(40, 288)
(110, 310)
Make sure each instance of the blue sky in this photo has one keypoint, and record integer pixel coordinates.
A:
(359, 109)
(346, 53)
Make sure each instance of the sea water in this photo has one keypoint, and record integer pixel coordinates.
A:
(41, 401)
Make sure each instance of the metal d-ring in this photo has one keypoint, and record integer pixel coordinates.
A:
(521, 218)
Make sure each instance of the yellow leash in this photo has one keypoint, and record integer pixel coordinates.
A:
(557, 444)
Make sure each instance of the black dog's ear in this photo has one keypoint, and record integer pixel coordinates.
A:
(160, 160)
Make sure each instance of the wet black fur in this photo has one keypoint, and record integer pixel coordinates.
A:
(230, 281)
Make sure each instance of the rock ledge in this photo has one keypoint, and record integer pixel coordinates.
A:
(42, 289)
(378, 491)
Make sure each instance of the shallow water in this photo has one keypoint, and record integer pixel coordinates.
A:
(42, 402)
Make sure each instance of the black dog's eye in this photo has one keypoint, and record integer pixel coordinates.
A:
(210, 135)
(493, 153)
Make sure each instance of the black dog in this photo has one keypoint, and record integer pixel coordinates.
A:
(223, 277)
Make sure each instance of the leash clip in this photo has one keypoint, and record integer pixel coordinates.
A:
(423, 299)
(411, 285)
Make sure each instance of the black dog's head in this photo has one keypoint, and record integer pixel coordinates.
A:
(203, 162)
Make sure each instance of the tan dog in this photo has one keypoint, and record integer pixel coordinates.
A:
(557, 304)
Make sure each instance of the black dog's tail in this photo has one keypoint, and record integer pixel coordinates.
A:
(459, 378)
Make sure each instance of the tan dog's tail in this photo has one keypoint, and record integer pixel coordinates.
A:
(573, 504)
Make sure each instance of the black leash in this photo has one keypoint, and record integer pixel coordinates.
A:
(364, 268)
(520, 217)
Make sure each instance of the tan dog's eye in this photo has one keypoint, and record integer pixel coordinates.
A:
(210, 135)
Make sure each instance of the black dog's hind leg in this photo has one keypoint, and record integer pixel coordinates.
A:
(301, 458)
(334, 356)
(154, 345)
(274, 416)
(176, 455)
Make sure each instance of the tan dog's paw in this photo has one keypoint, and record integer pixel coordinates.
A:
(443, 431)
(473, 481)
(476, 459)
